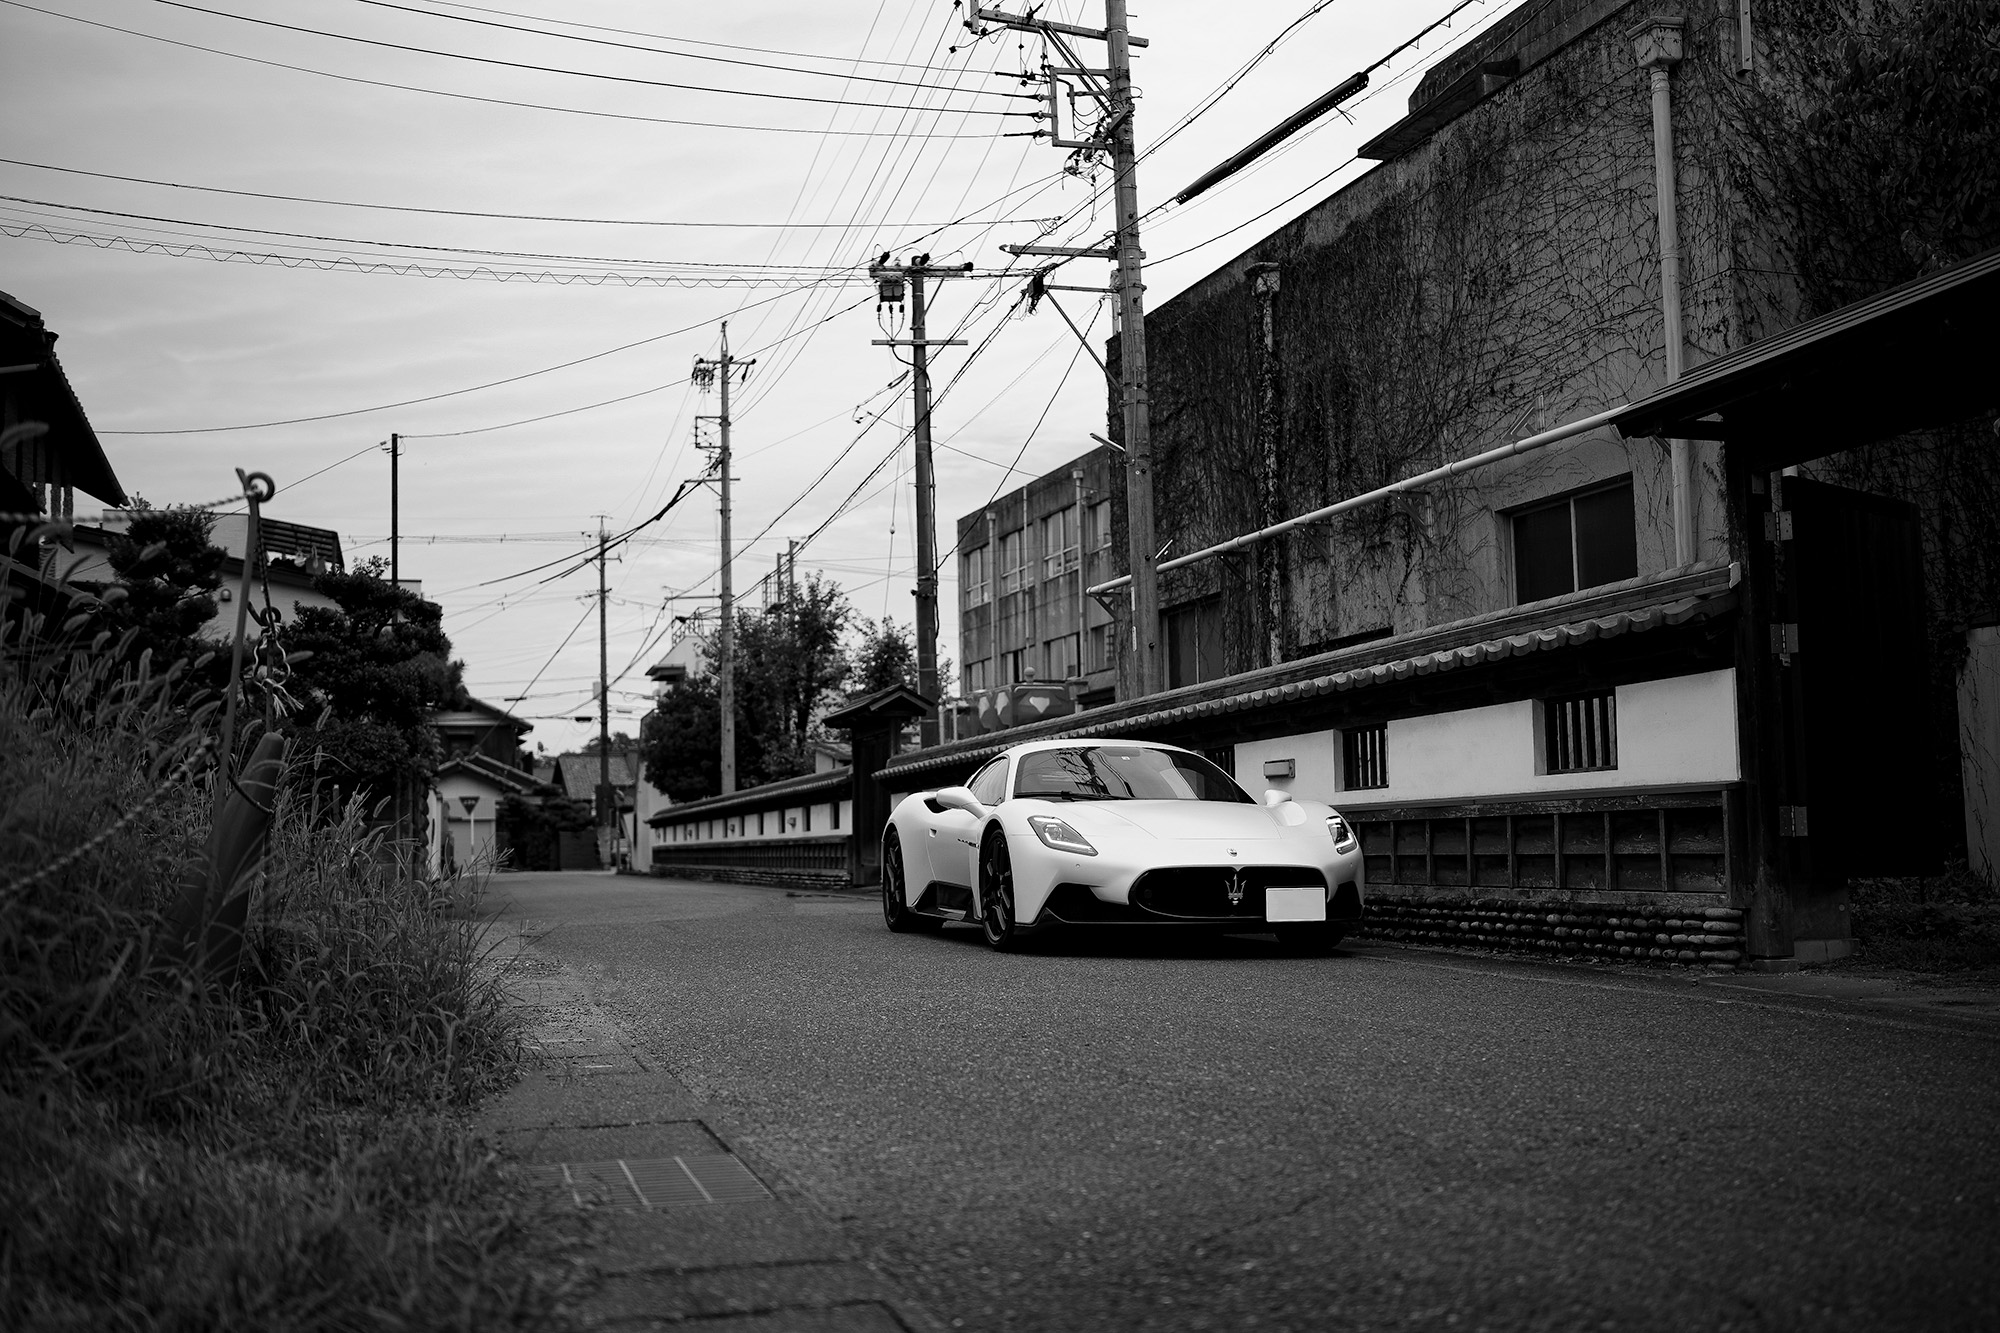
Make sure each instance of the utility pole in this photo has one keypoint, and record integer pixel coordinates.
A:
(889, 279)
(607, 803)
(706, 372)
(395, 504)
(1111, 89)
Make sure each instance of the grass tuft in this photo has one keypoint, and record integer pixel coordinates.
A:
(288, 1154)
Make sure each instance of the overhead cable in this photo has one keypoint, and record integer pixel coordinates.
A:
(474, 97)
(571, 73)
(505, 217)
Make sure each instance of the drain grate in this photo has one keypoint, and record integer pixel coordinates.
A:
(661, 1182)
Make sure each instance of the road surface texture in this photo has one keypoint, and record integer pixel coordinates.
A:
(1132, 1133)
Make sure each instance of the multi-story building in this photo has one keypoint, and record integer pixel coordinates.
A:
(1024, 562)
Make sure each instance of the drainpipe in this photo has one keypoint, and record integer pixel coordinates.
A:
(1269, 558)
(1657, 45)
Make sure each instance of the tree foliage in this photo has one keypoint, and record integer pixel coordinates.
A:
(793, 660)
(378, 664)
(169, 572)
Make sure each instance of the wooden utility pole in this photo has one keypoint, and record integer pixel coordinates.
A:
(607, 803)
(707, 371)
(889, 287)
(1111, 88)
(395, 506)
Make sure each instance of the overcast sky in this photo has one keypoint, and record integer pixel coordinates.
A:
(866, 125)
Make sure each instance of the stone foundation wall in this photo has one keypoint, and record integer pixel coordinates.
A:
(1710, 937)
(793, 879)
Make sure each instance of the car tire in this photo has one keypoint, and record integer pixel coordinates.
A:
(896, 911)
(1311, 940)
(996, 895)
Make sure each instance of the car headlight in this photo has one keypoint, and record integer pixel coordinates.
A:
(1342, 834)
(1060, 835)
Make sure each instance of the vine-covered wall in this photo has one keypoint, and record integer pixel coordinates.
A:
(1499, 279)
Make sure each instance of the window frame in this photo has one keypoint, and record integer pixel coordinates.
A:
(1567, 502)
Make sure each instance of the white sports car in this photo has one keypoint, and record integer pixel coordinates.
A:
(1091, 833)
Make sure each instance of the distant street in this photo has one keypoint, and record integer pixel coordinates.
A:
(1124, 1134)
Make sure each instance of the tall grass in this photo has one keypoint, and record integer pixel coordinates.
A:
(288, 1153)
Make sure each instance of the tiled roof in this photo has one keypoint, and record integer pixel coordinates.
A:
(1354, 669)
(577, 774)
(769, 796)
(492, 770)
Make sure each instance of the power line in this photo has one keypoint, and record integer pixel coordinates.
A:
(451, 393)
(797, 270)
(650, 50)
(690, 41)
(553, 69)
(504, 217)
(465, 97)
(390, 267)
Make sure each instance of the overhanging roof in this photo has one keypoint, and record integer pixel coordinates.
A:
(1919, 355)
(1637, 605)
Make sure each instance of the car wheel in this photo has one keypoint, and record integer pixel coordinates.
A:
(1311, 941)
(896, 911)
(996, 895)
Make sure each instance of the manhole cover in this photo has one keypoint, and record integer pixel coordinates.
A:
(657, 1182)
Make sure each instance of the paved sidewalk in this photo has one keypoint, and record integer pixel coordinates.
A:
(686, 1228)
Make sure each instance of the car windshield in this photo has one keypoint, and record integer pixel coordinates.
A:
(1123, 773)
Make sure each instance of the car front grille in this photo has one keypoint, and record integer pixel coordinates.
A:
(1204, 893)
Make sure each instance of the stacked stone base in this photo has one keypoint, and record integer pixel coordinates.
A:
(791, 879)
(1710, 938)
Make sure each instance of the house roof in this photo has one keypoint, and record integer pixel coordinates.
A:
(491, 771)
(1917, 355)
(577, 774)
(1633, 606)
(485, 713)
(771, 795)
(44, 394)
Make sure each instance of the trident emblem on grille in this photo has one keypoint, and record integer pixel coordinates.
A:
(1235, 888)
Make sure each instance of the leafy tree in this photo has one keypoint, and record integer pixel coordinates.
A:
(378, 664)
(885, 656)
(169, 572)
(681, 740)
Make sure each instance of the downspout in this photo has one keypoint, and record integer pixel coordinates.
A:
(1269, 557)
(1657, 45)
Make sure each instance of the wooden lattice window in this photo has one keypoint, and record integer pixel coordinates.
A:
(1365, 757)
(1580, 732)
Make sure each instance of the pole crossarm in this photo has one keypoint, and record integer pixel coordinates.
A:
(1418, 482)
(1062, 251)
(1030, 23)
(917, 342)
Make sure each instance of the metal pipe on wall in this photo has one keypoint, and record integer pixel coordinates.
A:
(1657, 45)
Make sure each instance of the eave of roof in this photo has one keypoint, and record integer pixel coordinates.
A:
(752, 798)
(490, 769)
(1602, 613)
(1916, 355)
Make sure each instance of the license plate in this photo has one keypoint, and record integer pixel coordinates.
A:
(1295, 904)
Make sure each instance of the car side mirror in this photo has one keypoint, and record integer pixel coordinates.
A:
(960, 798)
(1272, 796)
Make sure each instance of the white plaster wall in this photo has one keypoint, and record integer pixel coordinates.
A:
(1675, 731)
(1979, 749)
(471, 840)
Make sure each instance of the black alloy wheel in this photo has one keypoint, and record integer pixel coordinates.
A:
(996, 894)
(896, 911)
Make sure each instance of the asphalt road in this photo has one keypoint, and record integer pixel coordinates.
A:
(1125, 1134)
